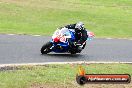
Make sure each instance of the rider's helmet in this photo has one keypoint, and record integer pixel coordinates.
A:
(79, 26)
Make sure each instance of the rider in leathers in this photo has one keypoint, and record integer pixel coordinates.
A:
(80, 34)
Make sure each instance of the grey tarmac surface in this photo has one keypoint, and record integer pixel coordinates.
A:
(26, 49)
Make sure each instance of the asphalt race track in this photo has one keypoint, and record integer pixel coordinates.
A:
(26, 49)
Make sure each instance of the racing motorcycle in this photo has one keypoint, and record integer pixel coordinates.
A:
(60, 42)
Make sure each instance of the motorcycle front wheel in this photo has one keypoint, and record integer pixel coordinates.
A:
(46, 48)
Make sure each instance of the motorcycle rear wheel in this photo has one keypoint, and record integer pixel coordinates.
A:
(46, 48)
(73, 52)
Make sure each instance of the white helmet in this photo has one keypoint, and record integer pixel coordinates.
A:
(79, 25)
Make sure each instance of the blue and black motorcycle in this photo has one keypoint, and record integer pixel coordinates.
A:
(60, 42)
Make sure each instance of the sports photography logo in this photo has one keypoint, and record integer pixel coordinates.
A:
(83, 78)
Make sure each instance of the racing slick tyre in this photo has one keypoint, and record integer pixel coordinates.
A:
(73, 52)
(46, 48)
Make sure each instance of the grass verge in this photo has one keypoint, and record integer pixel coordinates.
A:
(58, 76)
(106, 18)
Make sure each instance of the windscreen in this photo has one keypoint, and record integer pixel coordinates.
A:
(63, 32)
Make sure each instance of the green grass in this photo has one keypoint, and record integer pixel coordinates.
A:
(106, 18)
(25, 76)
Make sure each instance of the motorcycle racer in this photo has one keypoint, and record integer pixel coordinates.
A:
(70, 38)
(80, 34)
